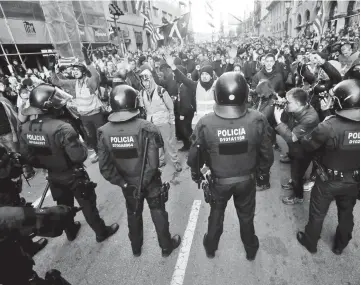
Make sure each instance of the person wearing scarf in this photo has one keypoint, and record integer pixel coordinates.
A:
(204, 88)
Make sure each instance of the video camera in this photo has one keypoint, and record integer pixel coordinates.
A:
(280, 103)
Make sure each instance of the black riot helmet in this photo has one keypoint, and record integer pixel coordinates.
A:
(231, 94)
(353, 72)
(348, 95)
(124, 103)
(43, 98)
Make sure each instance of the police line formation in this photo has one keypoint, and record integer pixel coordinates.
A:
(234, 142)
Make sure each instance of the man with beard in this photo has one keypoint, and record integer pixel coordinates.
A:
(204, 88)
(160, 111)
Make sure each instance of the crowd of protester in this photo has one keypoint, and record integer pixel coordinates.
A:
(175, 83)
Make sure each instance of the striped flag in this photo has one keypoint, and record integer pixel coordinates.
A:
(148, 26)
(319, 22)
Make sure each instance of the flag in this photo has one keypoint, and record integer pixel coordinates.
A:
(210, 12)
(179, 27)
(318, 23)
(148, 26)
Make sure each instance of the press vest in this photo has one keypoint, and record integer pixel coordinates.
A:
(342, 151)
(232, 144)
(39, 136)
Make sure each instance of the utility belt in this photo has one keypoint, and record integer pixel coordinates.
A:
(327, 174)
(209, 197)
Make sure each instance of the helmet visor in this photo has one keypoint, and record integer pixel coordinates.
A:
(60, 98)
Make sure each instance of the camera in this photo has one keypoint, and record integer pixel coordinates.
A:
(281, 103)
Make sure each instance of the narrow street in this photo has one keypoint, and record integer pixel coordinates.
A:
(280, 260)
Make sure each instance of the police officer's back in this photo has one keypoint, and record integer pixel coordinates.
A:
(53, 144)
(338, 166)
(121, 149)
(233, 142)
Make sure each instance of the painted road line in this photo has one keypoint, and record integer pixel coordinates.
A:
(37, 201)
(182, 261)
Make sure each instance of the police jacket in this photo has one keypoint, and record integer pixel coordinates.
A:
(121, 148)
(295, 126)
(232, 147)
(52, 144)
(339, 142)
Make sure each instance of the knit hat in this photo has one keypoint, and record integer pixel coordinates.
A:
(206, 67)
(145, 67)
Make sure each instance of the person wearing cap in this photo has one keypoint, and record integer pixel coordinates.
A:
(233, 142)
(53, 144)
(122, 144)
(337, 142)
(86, 100)
(160, 111)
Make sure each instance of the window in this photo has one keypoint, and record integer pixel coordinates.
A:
(133, 7)
(125, 6)
(156, 12)
(164, 14)
(299, 19)
(170, 17)
(307, 16)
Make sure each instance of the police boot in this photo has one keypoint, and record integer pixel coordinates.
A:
(176, 241)
(137, 251)
(301, 237)
(209, 253)
(54, 277)
(72, 232)
(109, 231)
(38, 246)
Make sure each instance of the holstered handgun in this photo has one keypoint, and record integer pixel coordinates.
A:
(83, 182)
(164, 192)
(208, 197)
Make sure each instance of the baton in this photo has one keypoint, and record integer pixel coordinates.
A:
(44, 195)
(198, 165)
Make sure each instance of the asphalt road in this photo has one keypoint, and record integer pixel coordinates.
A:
(280, 260)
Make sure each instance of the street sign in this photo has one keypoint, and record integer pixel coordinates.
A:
(115, 10)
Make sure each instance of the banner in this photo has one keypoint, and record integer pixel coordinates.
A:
(24, 32)
(100, 35)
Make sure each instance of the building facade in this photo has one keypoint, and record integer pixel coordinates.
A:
(338, 14)
(131, 23)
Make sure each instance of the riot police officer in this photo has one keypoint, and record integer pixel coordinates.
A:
(16, 222)
(338, 139)
(122, 144)
(11, 170)
(233, 142)
(53, 144)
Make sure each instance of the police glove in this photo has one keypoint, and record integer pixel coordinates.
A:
(197, 178)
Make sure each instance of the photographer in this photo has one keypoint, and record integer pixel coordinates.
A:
(298, 120)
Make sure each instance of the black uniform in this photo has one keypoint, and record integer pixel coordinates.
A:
(54, 145)
(121, 148)
(233, 149)
(339, 141)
